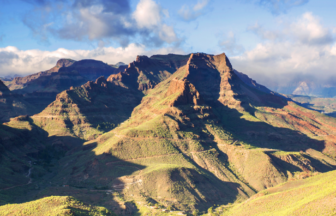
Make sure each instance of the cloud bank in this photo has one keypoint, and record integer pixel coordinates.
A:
(24, 62)
(304, 48)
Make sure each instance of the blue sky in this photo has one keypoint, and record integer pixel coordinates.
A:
(267, 38)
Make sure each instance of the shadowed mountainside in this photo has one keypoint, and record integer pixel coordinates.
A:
(12, 104)
(96, 107)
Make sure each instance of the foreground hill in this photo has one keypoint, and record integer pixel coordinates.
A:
(203, 136)
(313, 196)
(53, 206)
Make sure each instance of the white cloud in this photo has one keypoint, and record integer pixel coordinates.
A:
(24, 62)
(187, 13)
(97, 20)
(147, 14)
(309, 30)
(304, 47)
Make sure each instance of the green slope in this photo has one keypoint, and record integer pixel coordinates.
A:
(53, 206)
(312, 196)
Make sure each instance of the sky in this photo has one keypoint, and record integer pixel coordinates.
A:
(269, 40)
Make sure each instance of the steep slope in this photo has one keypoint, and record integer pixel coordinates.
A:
(96, 107)
(313, 196)
(89, 110)
(21, 142)
(12, 105)
(144, 73)
(3, 88)
(203, 136)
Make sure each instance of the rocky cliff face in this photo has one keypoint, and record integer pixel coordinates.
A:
(144, 73)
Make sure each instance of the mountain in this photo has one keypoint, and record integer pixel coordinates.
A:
(21, 82)
(40, 89)
(65, 74)
(172, 132)
(96, 107)
(91, 69)
(119, 64)
(88, 110)
(202, 136)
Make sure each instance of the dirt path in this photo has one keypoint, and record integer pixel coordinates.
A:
(28, 176)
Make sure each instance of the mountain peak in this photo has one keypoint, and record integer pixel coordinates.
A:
(64, 62)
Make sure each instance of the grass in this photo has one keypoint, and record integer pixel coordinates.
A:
(54, 206)
(312, 196)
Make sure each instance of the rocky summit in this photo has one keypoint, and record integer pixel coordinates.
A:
(170, 134)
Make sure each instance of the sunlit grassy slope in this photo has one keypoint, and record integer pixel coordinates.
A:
(312, 196)
(52, 206)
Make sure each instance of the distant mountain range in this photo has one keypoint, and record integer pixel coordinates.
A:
(168, 132)
(40, 89)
